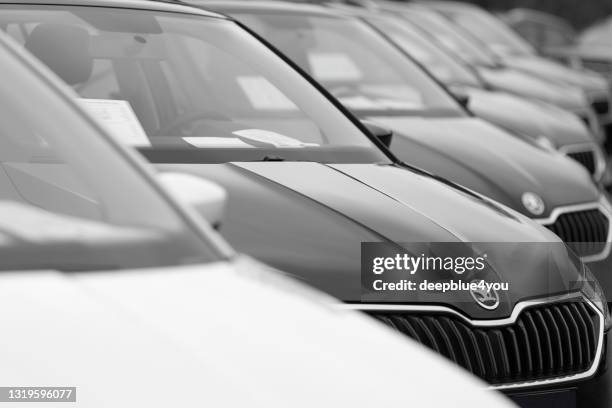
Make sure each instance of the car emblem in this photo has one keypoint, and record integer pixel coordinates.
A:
(486, 298)
(533, 203)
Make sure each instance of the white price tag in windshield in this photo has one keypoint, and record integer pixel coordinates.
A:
(264, 95)
(331, 66)
(119, 119)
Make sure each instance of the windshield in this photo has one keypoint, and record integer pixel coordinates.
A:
(193, 83)
(359, 67)
(451, 38)
(69, 199)
(438, 62)
(500, 39)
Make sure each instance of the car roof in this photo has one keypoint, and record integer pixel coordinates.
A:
(264, 6)
(167, 6)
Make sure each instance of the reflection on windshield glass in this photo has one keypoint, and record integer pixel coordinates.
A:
(69, 200)
(500, 39)
(35, 225)
(451, 38)
(361, 69)
(167, 80)
(416, 44)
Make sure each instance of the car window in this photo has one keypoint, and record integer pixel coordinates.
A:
(451, 38)
(69, 199)
(359, 67)
(499, 38)
(416, 44)
(181, 82)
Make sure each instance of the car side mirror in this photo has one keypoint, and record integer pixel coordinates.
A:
(380, 132)
(207, 198)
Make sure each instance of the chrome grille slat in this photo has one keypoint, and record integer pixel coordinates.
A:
(514, 356)
(538, 356)
(592, 330)
(585, 341)
(526, 352)
(584, 231)
(457, 338)
(477, 359)
(574, 334)
(547, 341)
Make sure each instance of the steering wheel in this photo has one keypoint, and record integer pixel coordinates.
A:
(188, 118)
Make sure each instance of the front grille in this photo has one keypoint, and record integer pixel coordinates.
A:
(601, 107)
(586, 158)
(585, 231)
(545, 342)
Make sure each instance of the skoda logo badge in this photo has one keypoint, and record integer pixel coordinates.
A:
(486, 298)
(533, 203)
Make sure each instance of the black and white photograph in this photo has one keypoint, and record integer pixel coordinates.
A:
(305, 203)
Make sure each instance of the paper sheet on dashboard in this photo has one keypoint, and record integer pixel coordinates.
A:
(273, 138)
(118, 117)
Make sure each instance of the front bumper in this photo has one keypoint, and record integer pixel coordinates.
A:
(593, 392)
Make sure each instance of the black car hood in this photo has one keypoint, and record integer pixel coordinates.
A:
(595, 57)
(527, 85)
(528, 117)
(488, 160)
(550, 70)
(309, 219)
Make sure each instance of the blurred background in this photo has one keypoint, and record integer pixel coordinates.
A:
(580, 14)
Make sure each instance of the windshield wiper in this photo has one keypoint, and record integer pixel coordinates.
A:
(273, 158)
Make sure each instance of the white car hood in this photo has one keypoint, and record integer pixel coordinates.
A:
(221, 335)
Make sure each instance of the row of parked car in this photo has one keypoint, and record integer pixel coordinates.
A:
(292, 133)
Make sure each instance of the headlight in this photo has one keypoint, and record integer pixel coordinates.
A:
(605, 203)
(545, 143)
(600, 164)
(592, 291)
